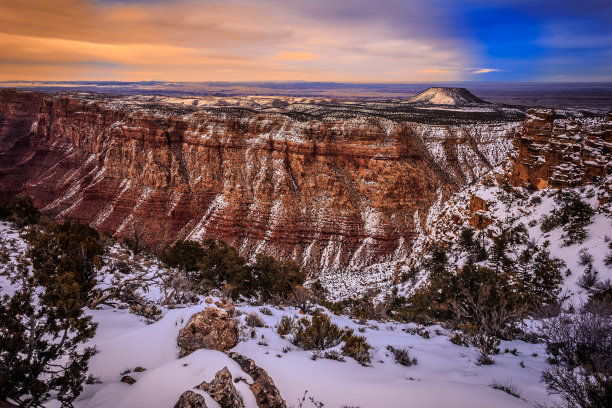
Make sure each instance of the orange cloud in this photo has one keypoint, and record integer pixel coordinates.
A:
(436, 71)
(295, 56)
(184, 40)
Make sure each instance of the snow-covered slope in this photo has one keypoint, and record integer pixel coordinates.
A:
(446, 374)
(522, 206)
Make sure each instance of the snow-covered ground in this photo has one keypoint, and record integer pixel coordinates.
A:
(446, 374)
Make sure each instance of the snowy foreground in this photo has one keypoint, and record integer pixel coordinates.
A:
(446, 374)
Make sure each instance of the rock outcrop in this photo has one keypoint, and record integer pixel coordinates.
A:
(222, 390)
(332, 194)
(190, 399)
(562, 151)
(266, 393)
(478, 213)
(211, 328)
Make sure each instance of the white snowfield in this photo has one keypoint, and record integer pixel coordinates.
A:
(446, 374)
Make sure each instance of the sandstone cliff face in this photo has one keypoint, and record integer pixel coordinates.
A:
(331, 194)
(562, 152)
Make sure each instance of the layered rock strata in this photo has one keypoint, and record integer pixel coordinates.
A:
(331, 194)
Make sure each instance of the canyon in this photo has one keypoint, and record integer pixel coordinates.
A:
(334, 185)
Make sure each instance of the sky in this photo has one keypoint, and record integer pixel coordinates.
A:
(309, 40)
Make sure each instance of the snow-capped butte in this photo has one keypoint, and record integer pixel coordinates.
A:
(446, 96)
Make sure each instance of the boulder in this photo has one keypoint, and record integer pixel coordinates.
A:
(222, 390)
(211, 328)
(227, 306)
(190, 399)
(263, 388)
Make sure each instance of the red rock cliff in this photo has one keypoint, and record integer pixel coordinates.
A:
(562, 151)
(329, 194)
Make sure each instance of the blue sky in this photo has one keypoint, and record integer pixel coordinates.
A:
(312, 40)
(544, 40)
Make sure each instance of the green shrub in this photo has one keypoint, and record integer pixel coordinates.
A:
(402, 356)
(222, 264)
(269, 277)
(317, 333)
(216, 264)
(357, 348)
(485, 305)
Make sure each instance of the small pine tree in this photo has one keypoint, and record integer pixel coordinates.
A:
(589, 278)
(466, 239)
(547, 278)
(42, 325)
(608, 260)
(61, 250)
(572, 213)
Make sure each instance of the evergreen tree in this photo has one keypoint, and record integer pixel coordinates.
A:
(547, 279)
(221, 264)
(65, 250)
(184, 255)
(43, 324)
(20, 211)
(270, 277)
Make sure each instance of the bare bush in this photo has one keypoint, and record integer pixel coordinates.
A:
(333, 355)
(302, 298)
(402, 356)
(265, 311)
(506, 387)
(581, 349)
(254, 320)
